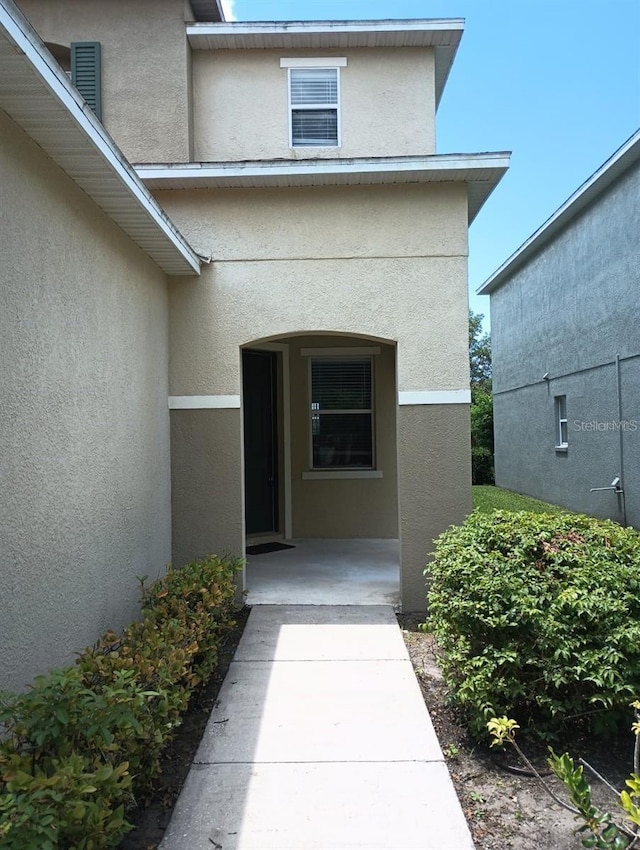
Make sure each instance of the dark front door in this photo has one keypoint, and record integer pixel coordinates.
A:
(260, 441)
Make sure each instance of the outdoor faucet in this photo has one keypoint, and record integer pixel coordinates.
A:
(615, 486)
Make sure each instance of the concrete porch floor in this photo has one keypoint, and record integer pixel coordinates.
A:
(326, 572)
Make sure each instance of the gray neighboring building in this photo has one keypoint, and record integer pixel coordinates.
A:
(565, 322)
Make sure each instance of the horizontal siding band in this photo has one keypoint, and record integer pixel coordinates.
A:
(204, 402)
(418, 397)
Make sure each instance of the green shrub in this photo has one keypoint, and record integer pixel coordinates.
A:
(65, 803)
(83, 740)
(538, 617)
(481, 465)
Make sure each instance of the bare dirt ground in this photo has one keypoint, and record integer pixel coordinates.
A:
(505, 808)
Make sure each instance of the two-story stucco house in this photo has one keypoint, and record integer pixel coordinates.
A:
(565, 326)
(302, 372)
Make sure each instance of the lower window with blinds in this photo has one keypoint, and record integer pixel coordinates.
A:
(342, 413)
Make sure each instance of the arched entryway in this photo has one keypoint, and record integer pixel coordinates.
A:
(320, 469)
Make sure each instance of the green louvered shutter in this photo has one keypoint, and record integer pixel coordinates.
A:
(85, 72)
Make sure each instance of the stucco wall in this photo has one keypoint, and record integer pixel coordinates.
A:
(526, 459)
(387, 100)
(384, 263)
(206, 481)
(434, 466)
(85, 496)
(145, 68)
(387, 262)
(568, 312)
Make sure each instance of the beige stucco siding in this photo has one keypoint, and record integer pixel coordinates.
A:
(340, 222)
(340, 266)
(387, 104)
(386, 262)
(434, 465)
(206, 478)
(145, 68)
(85, 496)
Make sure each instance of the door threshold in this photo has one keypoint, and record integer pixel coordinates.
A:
(257, 539)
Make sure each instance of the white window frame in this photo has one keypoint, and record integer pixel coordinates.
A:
(333, 63)
(562, 423)
(314, 354)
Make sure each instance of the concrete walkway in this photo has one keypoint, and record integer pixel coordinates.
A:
(320, 740)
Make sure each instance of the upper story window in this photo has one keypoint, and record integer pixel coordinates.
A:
(314, 101)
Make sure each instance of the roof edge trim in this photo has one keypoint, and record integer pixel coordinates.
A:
(598, 182)
(203, 9)
(26, 41)
(442, 35)
(275, 168)
(328, 26)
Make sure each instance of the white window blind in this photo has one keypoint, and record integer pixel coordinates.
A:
(342, 413)
(313, 97)
(314, 86)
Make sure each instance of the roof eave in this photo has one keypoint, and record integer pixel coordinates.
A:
(600, 180)
(36, 81)
(482, 172)
(207, 10)
(442, 35)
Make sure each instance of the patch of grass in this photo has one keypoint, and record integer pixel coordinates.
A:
(487, 498)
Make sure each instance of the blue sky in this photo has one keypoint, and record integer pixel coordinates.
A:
(557, 82)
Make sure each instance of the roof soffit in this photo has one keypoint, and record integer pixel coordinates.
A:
(443, 35)
(39, 98)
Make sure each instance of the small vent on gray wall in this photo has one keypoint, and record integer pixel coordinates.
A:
(86, 72)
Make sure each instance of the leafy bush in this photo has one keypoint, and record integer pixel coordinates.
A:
(481, 465)
(84, 739)
(538, 616)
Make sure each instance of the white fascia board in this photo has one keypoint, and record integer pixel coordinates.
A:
(25, 40)
(315, 62)
(318, 27)
(624, 157)
(293, 168)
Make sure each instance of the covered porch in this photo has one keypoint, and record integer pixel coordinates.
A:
(326, 572)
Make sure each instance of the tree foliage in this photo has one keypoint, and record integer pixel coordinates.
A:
(479, 353)
(481, 401)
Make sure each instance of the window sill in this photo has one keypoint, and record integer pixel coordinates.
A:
(325, 474)
(563, 448)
